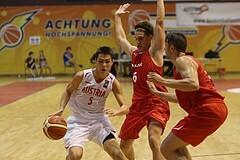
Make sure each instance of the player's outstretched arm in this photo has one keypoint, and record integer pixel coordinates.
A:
(120, 33)
(158, 42)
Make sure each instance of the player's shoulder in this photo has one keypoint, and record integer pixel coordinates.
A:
(81, 74)
(86, 74)
(134, 49)
(88, 71)
(182, 59)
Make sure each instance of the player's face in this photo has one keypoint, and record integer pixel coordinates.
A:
(169, 50)
(143, 41)
(104, 63)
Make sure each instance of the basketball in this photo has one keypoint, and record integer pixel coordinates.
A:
(55, 127)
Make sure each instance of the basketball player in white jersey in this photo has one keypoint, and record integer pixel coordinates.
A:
(86, 96)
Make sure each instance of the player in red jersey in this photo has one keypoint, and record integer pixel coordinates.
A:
(146, 109)
(196, 94)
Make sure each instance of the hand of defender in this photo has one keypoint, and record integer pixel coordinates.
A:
(155, 78)
(151, 87)
(122, 9)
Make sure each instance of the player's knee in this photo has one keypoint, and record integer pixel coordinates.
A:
(124, 147)
(75, 155)
(117, 154)
(112, 148)
(154, 142)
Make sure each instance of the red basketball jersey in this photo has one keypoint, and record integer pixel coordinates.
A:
(206, 93)
(142, 64)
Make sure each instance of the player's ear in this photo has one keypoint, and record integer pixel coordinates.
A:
(171, 47)
(150, 36)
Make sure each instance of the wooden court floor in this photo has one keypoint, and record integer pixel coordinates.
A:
(21, 136)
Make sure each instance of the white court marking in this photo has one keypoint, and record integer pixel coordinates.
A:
(234, 90)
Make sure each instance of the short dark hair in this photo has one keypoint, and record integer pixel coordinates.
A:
(68, 48)
(178, 40)
(146, 26)
(30, 53)
(104, 50)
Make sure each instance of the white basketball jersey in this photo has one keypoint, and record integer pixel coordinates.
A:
(89, 99)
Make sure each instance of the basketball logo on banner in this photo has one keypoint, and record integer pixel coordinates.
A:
(135, 17)
(12, 31)
(11, 34)
(230, 35)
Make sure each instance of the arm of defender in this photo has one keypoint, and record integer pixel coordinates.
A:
(158, 42)
(120, 33)
(171, 97)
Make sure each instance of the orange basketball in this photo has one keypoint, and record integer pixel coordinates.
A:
(55, 127)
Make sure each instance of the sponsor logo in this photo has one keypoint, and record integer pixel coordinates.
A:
(178, 128)
(137, 65)
(196, 10)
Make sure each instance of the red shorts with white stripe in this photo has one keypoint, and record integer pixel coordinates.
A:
(201, 122)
